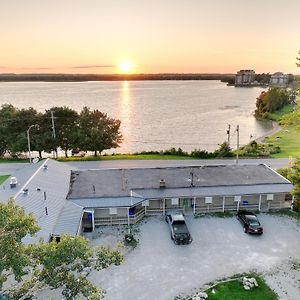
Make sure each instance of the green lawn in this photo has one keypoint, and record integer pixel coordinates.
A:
(277, 115)
(3, 178)
(288, 139)
(234, 290)
(12, 160)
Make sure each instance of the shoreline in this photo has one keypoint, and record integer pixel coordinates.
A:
(275, 128)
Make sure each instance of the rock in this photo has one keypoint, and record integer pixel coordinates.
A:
(196, 298)
(203, 295)
(251, 285)
(255, 283)
(246, 287)
(213, 291)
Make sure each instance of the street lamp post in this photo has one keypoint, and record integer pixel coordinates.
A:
(28, 140)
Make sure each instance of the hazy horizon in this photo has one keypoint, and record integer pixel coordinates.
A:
(170, 36)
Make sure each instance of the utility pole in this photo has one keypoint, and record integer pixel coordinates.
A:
(53, 131)
(237, 143)
(228, 135)
(53, 125)
(28, 140)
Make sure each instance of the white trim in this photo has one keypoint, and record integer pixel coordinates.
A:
(208, 200)
(277, 173)
(194, 204)
(259, 203)
(28, 181)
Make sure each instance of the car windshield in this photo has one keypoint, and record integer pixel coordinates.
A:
(252, 220)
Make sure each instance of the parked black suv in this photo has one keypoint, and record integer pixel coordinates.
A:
(250, 222)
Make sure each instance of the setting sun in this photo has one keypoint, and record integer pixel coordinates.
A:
(125, 67)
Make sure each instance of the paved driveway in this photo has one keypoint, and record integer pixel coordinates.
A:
(158, 269)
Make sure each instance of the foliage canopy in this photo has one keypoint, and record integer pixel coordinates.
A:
(54, 265)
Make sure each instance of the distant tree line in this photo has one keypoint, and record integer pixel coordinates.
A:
(272, 100)
(112, 77)
(89, 130)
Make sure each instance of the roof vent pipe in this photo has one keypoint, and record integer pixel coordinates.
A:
(162, 183)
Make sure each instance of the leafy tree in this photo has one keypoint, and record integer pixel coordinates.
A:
(293, 174)
(55, 265)
(98, 132)
(298, 60)
(270, 101)
(224, 151)
(7, 113)
(66, 127)
(263, 78)
(14, 225)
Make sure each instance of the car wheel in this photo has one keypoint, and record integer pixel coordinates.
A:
(245, 229)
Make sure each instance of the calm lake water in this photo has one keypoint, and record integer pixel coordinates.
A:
(155, 115)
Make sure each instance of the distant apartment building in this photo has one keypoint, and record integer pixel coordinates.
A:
(244, 77)
(279, 79)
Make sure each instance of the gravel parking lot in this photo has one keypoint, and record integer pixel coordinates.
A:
(158, 269)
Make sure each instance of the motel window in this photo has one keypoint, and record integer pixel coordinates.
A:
(208, 200)
(113, 211)
(270, 197)
(145, 203)
(174, 201)
(237, 198)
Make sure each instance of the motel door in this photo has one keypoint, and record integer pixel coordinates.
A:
(187, 205)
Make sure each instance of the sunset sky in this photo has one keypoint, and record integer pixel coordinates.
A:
(190, 36)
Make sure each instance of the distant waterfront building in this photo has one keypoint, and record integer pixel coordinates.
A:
(244, 77)
(279, 79)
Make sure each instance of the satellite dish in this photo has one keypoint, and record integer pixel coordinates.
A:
(35, 160)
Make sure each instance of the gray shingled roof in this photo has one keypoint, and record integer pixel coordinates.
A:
(215, 191)
(108, 202)
(119, 182)
(69, 220)
(54, 181)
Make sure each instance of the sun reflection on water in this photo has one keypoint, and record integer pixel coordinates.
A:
(125, 113)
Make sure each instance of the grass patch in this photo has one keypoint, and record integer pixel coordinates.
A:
(234, 290)
(225, 214)
(277, 115)
(3, 178)
(288, 139)
(13, 160)
(286, 212)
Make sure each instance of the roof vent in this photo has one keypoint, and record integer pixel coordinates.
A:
(13, 182)
(45, 167)
(25, 191)
(162, 183)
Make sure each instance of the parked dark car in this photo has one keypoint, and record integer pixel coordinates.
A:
(179, 231)
(250, 222)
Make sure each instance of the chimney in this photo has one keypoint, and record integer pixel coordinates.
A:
(162, 183)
